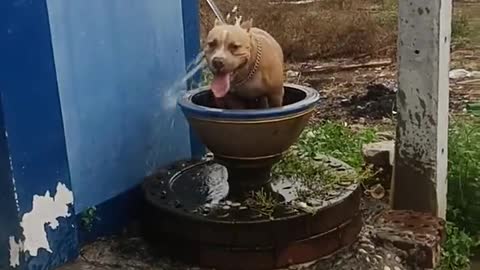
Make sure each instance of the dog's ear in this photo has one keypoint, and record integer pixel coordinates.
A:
(247, 25)
(238, 20)
(218, 22)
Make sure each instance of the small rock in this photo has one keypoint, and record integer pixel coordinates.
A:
(369, 247)
(379, 153)
(380, 156)
(387, 120)
(229, 203)
(334, 193)
(475, 74)
(226, 207)
(302, 205)
(177, 204)
(345, 101)
(386, 268)
(377, 192)
(457, 74)
(314, 202)
(236, 204)
(291, 73)
(345, 183)
(224, 215)
(243, 208)
(386, 135)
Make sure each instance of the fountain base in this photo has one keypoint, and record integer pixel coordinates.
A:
(191, 216)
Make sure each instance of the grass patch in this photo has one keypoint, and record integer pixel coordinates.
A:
(262, 202)
(457, 249)
(335, 140)
(464, 175)
(305, 159)
(463, 213)
(305, 162)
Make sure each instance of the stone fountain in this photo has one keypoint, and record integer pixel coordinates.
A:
(227, 211)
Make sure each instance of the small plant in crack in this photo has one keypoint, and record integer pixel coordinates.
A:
(88, 218)
(262, 202)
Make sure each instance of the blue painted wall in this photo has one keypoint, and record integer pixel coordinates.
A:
(33, 141)
(116, 61)
(9, 220)
(86, 90)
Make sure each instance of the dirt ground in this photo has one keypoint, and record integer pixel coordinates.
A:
(366, 95)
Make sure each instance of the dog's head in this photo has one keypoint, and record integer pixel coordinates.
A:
(227, 49)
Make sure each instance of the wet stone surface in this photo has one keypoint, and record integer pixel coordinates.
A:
(306, 219)
(201, 189)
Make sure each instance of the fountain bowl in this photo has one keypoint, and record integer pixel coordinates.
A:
(251, 138)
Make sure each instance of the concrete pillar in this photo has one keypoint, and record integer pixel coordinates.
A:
(420, 172)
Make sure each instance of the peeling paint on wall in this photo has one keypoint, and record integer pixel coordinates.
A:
(15, 249)
(45, 210)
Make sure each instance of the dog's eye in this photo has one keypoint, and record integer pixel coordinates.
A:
(212, 43)
(234, 46)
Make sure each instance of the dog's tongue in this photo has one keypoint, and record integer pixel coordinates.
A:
(220, 85)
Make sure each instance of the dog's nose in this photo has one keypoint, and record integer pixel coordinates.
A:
(217, 63)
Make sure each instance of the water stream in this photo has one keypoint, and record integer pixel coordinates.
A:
(168, 97)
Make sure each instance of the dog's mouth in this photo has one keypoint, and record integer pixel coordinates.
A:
(221, 80)
(220, 84)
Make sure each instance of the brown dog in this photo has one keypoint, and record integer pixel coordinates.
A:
(247, 64)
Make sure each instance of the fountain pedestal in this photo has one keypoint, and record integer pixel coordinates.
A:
(189, 217)
(228, 212)
(243, 181)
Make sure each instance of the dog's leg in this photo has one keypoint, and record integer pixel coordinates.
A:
(262, 103)
(275, 101)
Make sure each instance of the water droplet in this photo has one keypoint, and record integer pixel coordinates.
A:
(177, 204)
